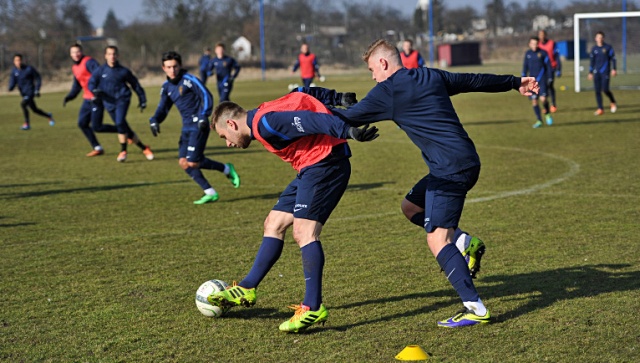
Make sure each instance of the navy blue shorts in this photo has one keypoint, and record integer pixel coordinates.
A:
(443, 197)
(315, 192)
(192, 144)
(543, 92)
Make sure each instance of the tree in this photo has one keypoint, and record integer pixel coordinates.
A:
(111, 25)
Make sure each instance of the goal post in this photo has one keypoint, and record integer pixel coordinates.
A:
(576, 36)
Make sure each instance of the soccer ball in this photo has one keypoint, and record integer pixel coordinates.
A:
(206, 289)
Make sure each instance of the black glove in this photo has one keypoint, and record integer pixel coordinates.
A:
(37, 93)
(363, 134)
(97, 93)
(155, 128)
(142, 106)
(66, 99)
(348, 99)
(203, 125)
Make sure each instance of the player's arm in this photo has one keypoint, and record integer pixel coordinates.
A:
(612, 58)
(73, 93)
(38, 79)
(376, 106)
(316, 67)
(478, 82)
(329, 97)
(164, 106)
(94, 82)
(556, 54)
(236, 69)
(296, 65)
(135, 84)
(291, 125)
(525, 66)
(13, 81)
(206, 100)
(420, 60)
(548, 69)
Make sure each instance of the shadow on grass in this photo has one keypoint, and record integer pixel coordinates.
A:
(91, 189)
(491, 122)
(595, 122)
(17, 224)
(27, 184)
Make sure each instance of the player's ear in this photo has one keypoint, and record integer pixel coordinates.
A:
(384, 64)
(231, 124)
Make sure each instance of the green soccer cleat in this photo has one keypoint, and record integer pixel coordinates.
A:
(234, 295)
(207, 199)
(549, 119)
(473, 254)
(465, 317)
(537, 124)
(304, 318)
(233, 176)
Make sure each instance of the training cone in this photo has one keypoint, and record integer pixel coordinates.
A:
(412, 352)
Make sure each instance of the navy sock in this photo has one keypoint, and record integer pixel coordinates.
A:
(599, 99)
(457, 272)
(141, 145)
(268, 254)
(123, 146)
(418, 219)
(610, 95)
(211, 165)
(313, 264)
(536, 110)
(197, 176)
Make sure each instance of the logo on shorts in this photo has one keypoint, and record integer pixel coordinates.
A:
(426, 221)
(299, 207)
(298, 124)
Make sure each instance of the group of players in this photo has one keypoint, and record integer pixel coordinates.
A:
(305, 129)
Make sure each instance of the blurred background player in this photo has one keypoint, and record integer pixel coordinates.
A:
(317, 149)
(91, 112)
(549, 46)
(28, 81)
(419, 101)
(204, 64)
(109, 83)
(411, 58)
(194, 102)
(536, 64)
(308, 65)
(602, 64)
(226, 70)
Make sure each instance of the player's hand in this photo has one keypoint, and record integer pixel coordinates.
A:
(97, 93)
(66, 99)
(590, 77)
(558, 74)
(528, 86)
(348, 99)
(155, 128)
(37, 94)
(364, 133)
(142, 106)
(203, 125)
(613, 73)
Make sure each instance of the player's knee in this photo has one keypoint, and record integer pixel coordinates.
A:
(409, 209)
(193, 164)
(303, 235)
(24, 103)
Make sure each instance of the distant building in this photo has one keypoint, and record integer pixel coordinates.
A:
(542, 22)
(241, 48)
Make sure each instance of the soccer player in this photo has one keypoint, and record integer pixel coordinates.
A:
(194, 101)
(536, 64)
(28, 81)
(91, 112)
(419, 102)
(204, 64)
(109, 84)
(549, 46)
(411, 58)
(602, 64)
(308, 65)
(315, 145)
(226, 70)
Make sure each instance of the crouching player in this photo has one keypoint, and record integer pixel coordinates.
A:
(315, 145)
(195, 102)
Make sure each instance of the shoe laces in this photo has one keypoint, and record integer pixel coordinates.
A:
(300, 309)
(234, 284)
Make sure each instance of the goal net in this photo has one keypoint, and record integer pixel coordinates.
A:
(625, 39)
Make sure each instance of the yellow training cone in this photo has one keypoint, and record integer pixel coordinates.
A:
(412, 352)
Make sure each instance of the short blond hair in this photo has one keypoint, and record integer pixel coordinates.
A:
(388, 50)
(226, 110)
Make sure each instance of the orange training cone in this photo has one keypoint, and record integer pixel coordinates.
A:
(412, 352)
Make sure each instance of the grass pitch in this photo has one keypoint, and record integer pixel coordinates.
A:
(100, 261)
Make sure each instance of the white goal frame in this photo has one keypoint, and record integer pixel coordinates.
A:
(576, 36)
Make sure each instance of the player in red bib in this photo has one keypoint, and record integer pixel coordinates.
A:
(301, 131)
(410, 57)
(549, 46)
(90, 112)
(308, 65)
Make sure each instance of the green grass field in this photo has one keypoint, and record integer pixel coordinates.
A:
(100, 261)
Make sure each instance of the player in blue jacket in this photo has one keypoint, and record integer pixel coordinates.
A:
(602, 66)
(110, 84)
(419, 102)
(226, 70)
(194, 102)
(536, 64)
(28, 81)
(203, 64)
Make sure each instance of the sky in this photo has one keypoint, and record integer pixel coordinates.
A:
(128, 10)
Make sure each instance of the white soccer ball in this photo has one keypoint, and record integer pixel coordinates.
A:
(206, 289)
(292, 86)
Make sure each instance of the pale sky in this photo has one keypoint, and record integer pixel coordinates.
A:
(128, 10)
